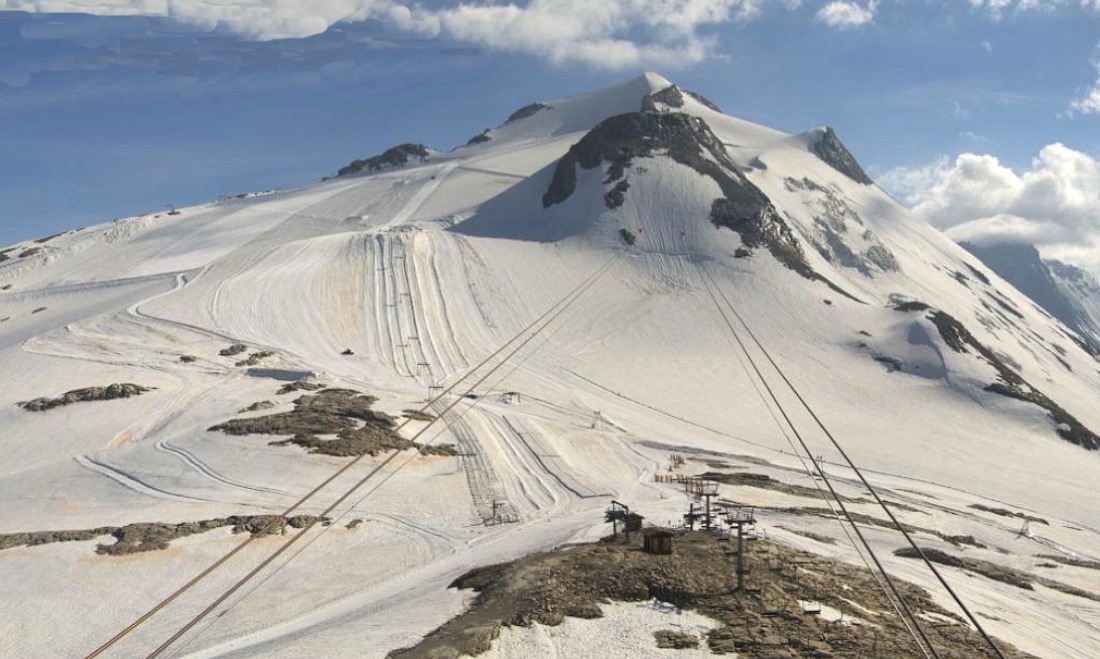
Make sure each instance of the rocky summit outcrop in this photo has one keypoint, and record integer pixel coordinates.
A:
(397, 156)
(110, 392)
(688, 141)
(829, 148)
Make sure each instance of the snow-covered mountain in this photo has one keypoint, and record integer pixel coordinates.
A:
(1066, 292)
(959, 394)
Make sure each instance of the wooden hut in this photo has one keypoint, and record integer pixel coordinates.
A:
(658, 541)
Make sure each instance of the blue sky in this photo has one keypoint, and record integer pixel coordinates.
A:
(107, 115)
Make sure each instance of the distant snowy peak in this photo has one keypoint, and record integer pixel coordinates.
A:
(1069, 294)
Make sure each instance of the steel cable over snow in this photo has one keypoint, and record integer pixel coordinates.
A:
(874, 493)
(824, 497)
(908, 611)
(552, 313)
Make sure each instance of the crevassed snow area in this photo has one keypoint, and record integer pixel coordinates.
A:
(385, 266)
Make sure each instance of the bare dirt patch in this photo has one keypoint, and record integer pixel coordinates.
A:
(765, 621)
(345, 416)
(146, 536)
(110, 392)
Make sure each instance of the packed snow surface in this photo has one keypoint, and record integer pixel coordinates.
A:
(420, 273)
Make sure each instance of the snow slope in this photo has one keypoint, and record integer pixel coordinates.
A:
(422, 272)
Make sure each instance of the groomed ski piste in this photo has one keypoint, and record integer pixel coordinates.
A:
(420, 272)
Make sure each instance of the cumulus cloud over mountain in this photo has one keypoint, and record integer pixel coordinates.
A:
(1055, 203)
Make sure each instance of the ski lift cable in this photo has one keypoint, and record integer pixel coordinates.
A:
(824, 497)
(909, 612)
(901, 528)
(568, 301)
(552, 313)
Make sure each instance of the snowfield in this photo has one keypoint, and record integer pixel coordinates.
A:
(421, 273)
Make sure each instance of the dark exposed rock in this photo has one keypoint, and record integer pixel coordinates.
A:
(300, 385)
(831, 150)
(545, 588)
(110, 392)
(1011, 384)
(688, 140)
(911, 305)
(30, 252)
(978, 273)
(704, 100)
(42, 241)
(233, 350)
(1075, 562)
(255, 358)
(418, 415)
(839, 233)
(255, 407)
(985, 568)
(480, 138)
(763, 481)
(675, 640)
(616, 196)
(142, 537)
(187, 359)
(327, 412)
(35, 538)
(1004, 512)
(670, 96)
(526, 111)
(891, 363)
(39, 310)
(397, 156)
(629, 237)
(347, 414)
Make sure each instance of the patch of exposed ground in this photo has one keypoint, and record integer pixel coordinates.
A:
(233, 350)
(1011, 384)
(110, 392)
(670, 639)
(1075, 562)
(255, 358)
(418, 415)
(763, 481)
(141, 537)
(868, 520)
(397, 156)
(1004, 512)
(809, 534)
(300, 385)
(345, 413)
(255, 407)
(1008, 575)
(767, 620)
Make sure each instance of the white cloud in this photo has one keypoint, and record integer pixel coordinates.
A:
(252, 19)
(611, 34)
(843, 15)
(1089, 101)
(1054, 204)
